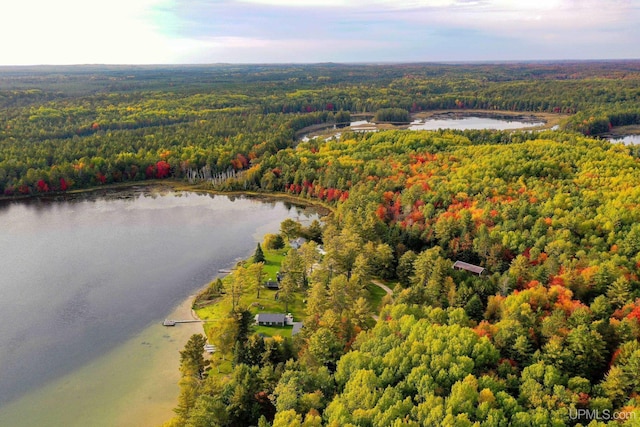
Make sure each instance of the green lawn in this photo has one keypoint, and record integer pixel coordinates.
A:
(220, 366)
(272, 331)
(272, 265)
(265, 304)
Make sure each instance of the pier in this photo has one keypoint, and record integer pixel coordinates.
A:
(169, 322)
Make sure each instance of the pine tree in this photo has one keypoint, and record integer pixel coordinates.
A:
(258, 255)
(192, 362)
(619, 292)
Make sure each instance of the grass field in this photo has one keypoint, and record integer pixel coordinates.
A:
(272, 331)
(272, 265)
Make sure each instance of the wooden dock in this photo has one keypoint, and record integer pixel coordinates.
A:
(169, 322)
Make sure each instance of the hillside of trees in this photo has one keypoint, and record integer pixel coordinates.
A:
(66, 128)
(550, 331)
(553, 327)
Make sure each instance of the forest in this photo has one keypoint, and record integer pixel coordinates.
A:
(547, 336)
(64, 128)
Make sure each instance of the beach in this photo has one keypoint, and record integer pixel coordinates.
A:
(134, 385)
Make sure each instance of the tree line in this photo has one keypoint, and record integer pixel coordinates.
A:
(552, 216)
(66, 127)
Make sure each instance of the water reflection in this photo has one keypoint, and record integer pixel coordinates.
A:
(628, 139)
(81, 275)
(457, 121)
(472, 123)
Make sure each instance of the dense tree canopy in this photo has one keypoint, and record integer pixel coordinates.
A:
(66, 128)
(550, 328)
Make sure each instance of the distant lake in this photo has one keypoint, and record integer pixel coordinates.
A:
(628, 140)
(81, 276)
(472, 123)
(458, 121)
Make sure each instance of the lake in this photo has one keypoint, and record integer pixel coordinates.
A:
(458, 121)
(470, 122)
(83, 277)
(628, 139)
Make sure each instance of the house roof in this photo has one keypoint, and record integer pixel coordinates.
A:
(469, 267)
(298, 242)
(272, 284)
(270, 317)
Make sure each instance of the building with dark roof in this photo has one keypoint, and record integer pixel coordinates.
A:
(273, 319)
(476, 269)
(270, 319)
(271, 284)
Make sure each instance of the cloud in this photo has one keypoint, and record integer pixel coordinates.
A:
(78, 31)
(153, 31)
(257, 50)
(300, 4)
(358, 4)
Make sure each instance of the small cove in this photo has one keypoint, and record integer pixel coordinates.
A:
(472, 122)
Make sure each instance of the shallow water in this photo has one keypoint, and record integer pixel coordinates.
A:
(82, 277)
(133, 385)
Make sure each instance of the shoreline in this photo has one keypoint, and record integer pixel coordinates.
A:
(136, 384)
(148, 411)
(550, 120)
(177, 186)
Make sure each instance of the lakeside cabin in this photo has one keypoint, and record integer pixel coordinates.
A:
(273, 319)
(270, 284)
(476, 269)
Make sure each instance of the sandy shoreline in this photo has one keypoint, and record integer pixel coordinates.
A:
(136, 384)
(133, 383)
(146, 405)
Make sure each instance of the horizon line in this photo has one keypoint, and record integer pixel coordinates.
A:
(292, 63)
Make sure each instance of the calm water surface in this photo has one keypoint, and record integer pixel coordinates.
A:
(79, 277)
(471, 123)
(450, 121)
(629, 139)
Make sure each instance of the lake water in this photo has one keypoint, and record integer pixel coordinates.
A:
(448, 121)
(83, 276)
(629, 139)
(471, 123)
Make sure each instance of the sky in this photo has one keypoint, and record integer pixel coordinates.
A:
(309, 31)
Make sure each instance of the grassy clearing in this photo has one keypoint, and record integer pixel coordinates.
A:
(265, 304)
(272, 331)
(219, 365)
(376, 294)
(273, 261)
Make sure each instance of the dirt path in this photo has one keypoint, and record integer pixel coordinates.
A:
(381, 285)
(385, 288)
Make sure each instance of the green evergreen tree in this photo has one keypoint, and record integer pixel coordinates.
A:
(192, 361)
(258, 255)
